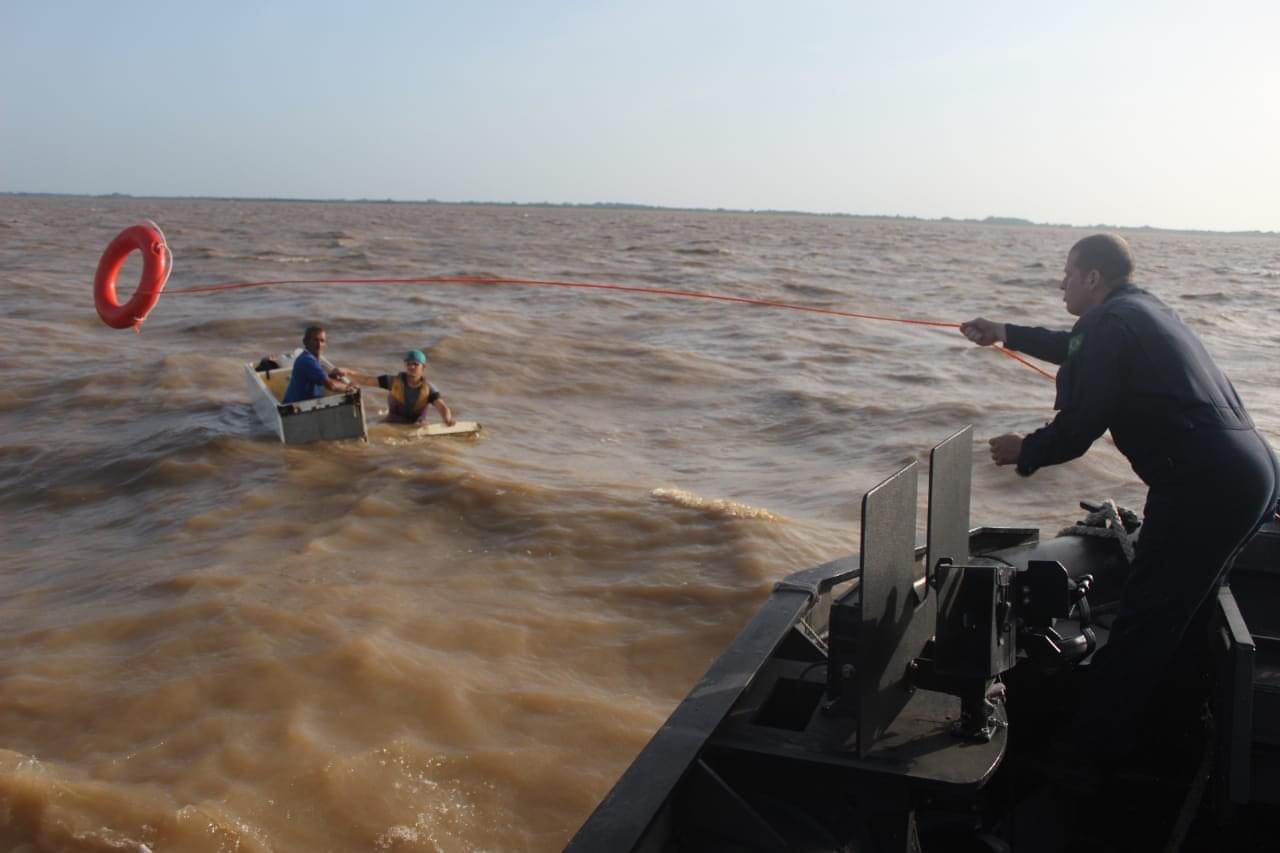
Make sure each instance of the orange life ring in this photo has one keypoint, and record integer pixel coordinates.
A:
(156, 264)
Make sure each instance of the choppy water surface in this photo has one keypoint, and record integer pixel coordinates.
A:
(212, 642)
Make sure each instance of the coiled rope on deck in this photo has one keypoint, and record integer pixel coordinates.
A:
(1108, 521)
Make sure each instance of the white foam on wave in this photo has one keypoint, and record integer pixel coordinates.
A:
(714, 506)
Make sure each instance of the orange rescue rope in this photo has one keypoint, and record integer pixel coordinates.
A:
(586, 285)
(147, 239)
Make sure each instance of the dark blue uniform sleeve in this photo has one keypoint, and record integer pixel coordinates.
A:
(384, 381)
(1089, 397)
(1044, 344)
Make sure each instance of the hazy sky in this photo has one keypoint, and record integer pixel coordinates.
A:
(1163, 113)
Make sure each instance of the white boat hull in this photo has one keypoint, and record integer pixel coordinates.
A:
(334, 417)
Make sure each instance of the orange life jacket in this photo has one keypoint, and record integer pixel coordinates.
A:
(400, 392)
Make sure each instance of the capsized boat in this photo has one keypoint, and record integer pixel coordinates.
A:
(332, 417)
(894, 702)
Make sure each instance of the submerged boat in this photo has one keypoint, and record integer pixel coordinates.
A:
(896, 701)
(330, 418)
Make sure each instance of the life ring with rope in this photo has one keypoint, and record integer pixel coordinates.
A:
(157, 263)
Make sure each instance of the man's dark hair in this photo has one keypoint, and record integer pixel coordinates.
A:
(1109, 254)
(310, 333)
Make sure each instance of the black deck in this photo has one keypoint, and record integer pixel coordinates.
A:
(813, 730)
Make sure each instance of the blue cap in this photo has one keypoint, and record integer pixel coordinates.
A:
(416, 355)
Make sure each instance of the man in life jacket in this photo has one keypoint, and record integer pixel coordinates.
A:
(409, 394)
(1131, 366)
(310, 377)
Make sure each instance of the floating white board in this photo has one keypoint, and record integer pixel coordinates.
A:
(459, 428)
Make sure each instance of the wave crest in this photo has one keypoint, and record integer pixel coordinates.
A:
(720, 507)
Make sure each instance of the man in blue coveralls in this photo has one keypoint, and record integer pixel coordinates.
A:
(1130, 365)
(309, 379)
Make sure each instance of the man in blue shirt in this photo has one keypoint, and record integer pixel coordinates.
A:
(309, 378)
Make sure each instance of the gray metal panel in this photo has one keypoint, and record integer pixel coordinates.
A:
(950, 473)
(327, 419)
(890, 635)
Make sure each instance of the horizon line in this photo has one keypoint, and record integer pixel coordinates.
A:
(987, 220)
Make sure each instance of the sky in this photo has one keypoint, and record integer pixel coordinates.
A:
(1125, 112)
